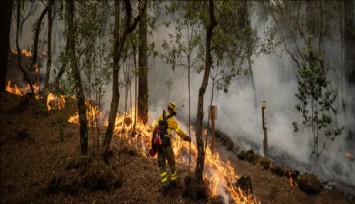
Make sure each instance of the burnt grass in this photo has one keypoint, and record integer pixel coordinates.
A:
(37, 165)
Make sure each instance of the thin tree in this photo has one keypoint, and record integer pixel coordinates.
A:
(37, 31)
(349, 58)
(77, 79)
(143, 68)
(49, 47)
(19, 51)
(208, 64)
(119, 44)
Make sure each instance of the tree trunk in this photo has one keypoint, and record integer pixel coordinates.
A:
(143, 70)
(251, 73)
(115, 85)
(62, 68)
(38, 29)
(5, 28)
(77, 80)
(349, 60)
(49, 41)
(118, 47)
(201, 93)
(19, 51)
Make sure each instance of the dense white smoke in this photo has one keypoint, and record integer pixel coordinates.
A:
(276, 83)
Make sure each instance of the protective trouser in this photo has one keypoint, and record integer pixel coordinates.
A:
(167, 154)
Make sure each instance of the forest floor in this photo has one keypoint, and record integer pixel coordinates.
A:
(36, 166)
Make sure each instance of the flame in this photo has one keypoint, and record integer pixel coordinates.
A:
(14, 89)
(21, 91)
(291, 180)
(24, 52)
(55, 102)
(219, 175)
(92, 113)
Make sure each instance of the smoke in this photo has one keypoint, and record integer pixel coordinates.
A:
(275, 80)
(276, 83)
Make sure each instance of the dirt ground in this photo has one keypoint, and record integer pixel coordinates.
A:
(34, 165)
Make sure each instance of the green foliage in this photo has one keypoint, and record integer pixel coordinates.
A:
(233, 39)
(315, 98)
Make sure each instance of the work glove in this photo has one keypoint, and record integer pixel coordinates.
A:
(187, 138)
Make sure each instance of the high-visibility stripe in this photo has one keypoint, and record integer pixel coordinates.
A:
(164, 177)
(173, 176)
(163, 174)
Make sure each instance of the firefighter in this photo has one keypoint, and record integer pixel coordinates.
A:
(166, 153)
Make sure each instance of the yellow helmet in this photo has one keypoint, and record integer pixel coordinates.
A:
(172, 108)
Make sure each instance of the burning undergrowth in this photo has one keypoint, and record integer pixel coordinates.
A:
(219, 176)
(43, 168)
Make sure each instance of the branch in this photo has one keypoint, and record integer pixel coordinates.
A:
(30, 12)
(136, 20)
(298, 26)
(294, 58)
(19, 52)
(38, 27)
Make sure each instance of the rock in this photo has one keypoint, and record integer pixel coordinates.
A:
(218, 134)
(235, 149)
(309, 183)
(245, 184)
(229, 144)
(265, 162)
(290, 173)
(249, 155)
(256, 159)
(276, 169)
(223, 138)
(241, 155)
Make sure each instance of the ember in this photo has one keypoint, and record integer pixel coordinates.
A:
(350, 156)
(24, 52)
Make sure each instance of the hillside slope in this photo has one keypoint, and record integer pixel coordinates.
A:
(36, 166)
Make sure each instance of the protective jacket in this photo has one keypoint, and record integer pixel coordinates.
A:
(173, 125)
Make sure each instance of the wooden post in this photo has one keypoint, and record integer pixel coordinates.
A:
(264, 118)
(213, 114)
